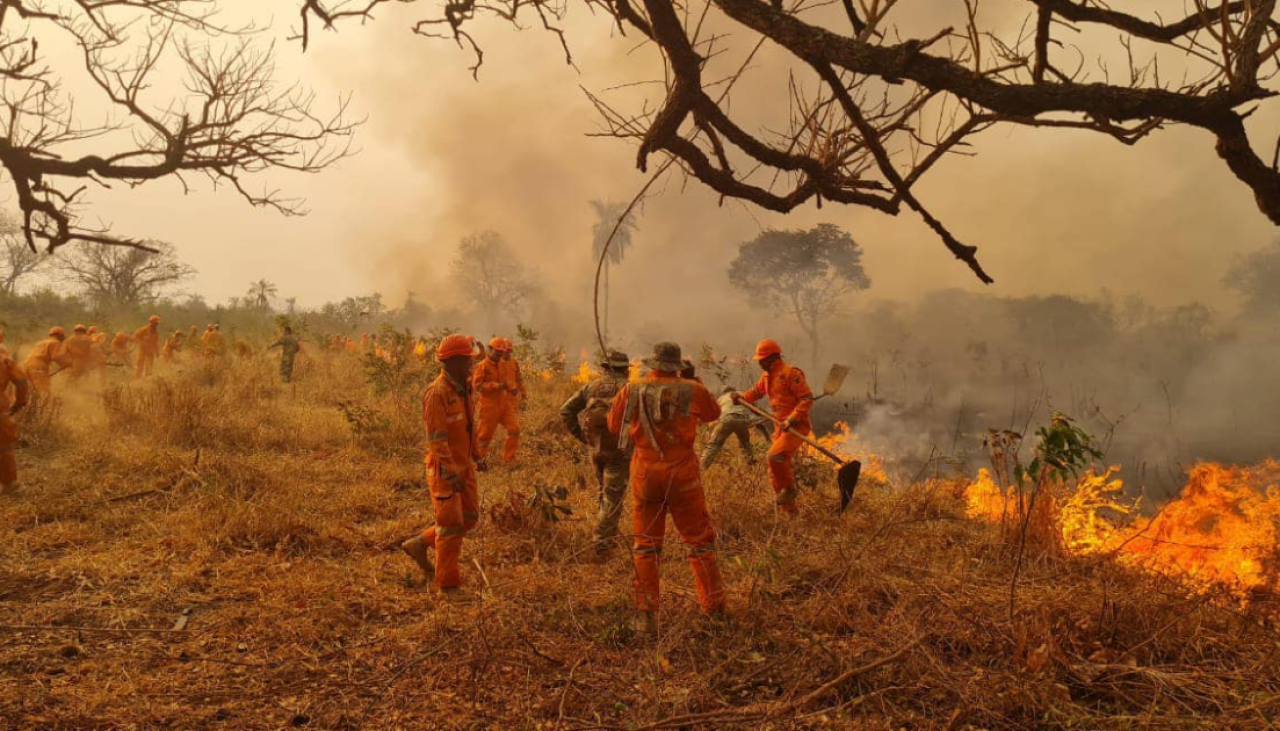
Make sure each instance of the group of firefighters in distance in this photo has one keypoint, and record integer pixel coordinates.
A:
(641, 432)
(87, 350)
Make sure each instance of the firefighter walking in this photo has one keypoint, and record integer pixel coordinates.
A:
(148, 339)
(659, 413)
(12, 379)
(448, 413)
(498, 394)
(586, 416)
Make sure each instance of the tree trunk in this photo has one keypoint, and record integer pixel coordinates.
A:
(813, 345)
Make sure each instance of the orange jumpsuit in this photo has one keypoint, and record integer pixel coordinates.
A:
(661, 413)
(11, 375)
(120, 348)
(148, 339)
(80, 349)
(99, 358)
(448, 413)
(790, 397)
(498, 396)
(40, 361)
(215, 344)
(172, 346)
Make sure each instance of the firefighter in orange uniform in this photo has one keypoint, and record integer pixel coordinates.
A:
(80, 352)
(448, 411)
(148, 339)
(659, 413)
(12, 376)
(172, 346)
(99, 348)
(122, 348)
(791, 399)
(39, 363)
(516, 380)
(497, 393)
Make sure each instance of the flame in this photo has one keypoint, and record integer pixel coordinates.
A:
(633, 373)
(845, 443)
(586, 374)
(1221, 532)
(546, 374)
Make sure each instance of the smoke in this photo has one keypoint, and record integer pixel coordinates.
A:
(1054, 212)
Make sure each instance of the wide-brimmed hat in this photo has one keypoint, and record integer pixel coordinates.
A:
(615, 359)
(666, 357)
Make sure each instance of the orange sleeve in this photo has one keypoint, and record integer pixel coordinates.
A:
(618, 410)
(795, 380)
(758, 391)
(436, 419)
(483, 381)
(704, 407)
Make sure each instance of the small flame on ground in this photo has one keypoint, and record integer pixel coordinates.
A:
(586, 374)
(845, 443)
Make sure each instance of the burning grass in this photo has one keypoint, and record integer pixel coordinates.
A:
(272, 516)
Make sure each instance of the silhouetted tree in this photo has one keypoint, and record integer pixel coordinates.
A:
(261, 293)
(806, 274)
(1256, 276)
(610, 215)
(488, 273)
(124, 276)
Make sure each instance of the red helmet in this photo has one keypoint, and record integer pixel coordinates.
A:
(454, 346)
(766, 348)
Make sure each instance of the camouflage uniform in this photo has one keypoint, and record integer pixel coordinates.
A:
(289, 348)
(735, 421)
(612, 463)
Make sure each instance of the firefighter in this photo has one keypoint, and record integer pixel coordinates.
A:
(148, 339)
(122, 348)
(289, 348)
(4, 349)
(516, 378)
(448, 411)
(39, 363)
(173, 347)
(214, 342)
(80, 352)
(659, 413)
(497, 394)
(99, 348)
(12, 377)
(791, 400)
(735, 421)
(586, 416)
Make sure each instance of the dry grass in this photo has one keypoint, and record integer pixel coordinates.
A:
(257, 507)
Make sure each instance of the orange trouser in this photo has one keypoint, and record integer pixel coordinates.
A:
(675, 487)
(781, 476)
(8, 440)
(456, 514)
(146, 364)
(495, 412)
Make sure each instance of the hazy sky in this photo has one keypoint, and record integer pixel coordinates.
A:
(442, 155)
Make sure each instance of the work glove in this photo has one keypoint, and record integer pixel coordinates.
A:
(736, 397)
(789, 423)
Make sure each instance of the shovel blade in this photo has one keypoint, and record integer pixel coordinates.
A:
(835, 379)
(847, 479)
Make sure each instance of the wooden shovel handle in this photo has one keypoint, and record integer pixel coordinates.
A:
(807, 440)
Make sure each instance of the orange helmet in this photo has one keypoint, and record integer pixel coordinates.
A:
(454, 346)
(508, 344)
(498, 344)
(81, 329)
(155, 320)
(93, 329)
(766, 348)
(55, 330)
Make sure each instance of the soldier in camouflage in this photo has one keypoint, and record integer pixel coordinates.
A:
(586, 415)
(289, 348)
